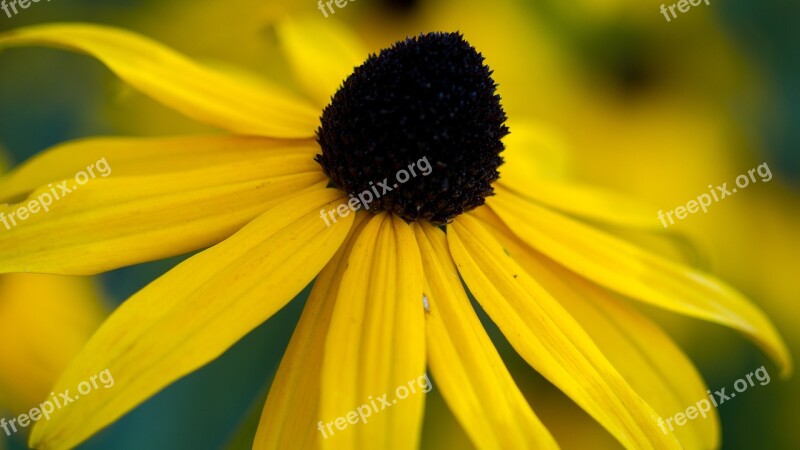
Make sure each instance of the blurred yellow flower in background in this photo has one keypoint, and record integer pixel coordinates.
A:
(44, 321)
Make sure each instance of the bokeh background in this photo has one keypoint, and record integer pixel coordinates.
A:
(655, 109)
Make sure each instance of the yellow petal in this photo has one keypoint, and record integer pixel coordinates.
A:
(44, 322)
(643, 354)
(549, 339)
(634, 272)
(535, 163)
(376, 342)
(150, 156)
(178, 82)
(291, 413)
(192, 314)
(588, 202)
(117, 221)
(468, 370)
(322, 54)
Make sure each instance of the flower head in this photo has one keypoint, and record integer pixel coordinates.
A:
(388, 301)
(430, 97)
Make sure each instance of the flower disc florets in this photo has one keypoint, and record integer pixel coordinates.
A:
(426, 102)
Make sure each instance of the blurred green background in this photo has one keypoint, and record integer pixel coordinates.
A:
(655, 109)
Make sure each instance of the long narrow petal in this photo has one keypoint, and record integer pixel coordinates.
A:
(536, 161)
(149, 156)
(195, 312)
(468, 370)
(322, 53)
(549, 339)
(178, 82)
(376, 342)
(117, 221)
(291, 414)
(639, 274)
(601, 205)
(638, 348)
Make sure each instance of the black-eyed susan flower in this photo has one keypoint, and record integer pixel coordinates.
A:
(388, 301)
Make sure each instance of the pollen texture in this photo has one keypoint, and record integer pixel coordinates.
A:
(419, 127)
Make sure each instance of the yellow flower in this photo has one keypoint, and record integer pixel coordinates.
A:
(44, 322)
(388, 299)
